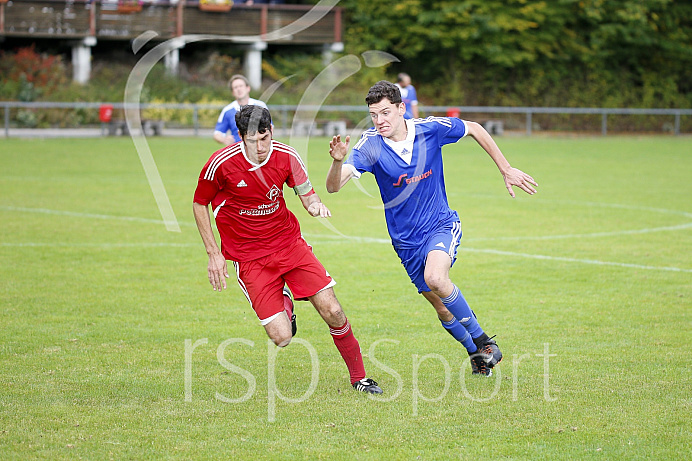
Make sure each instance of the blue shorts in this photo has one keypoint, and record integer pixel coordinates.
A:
(445, 238)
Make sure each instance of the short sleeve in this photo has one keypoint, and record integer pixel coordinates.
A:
(298, 174)
(207, 186)
(222, 124)
(362, 157)
(412, 96)
(450, 130)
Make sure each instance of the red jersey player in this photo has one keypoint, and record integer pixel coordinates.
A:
(244, 185)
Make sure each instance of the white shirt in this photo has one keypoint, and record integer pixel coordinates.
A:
(404, 149)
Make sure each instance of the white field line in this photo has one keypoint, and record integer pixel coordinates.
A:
(336, 239)
(98, 245)
(84, 215)
(344, 239)
(575, 260)
(539, 200)
(331, 241)
(588, 235)
(367, 239)
(623, 207)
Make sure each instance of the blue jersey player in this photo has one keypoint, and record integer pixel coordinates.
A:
(408, 95)
(406, 158)
(226, 131)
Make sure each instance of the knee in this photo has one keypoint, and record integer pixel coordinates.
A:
(281, 340)
(436, 282)
(333, 314)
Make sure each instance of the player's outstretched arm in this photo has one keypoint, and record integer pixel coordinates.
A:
(217, 269)
(337, 177)
(314, 206)
(512, 176)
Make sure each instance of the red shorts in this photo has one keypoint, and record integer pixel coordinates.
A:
(262, 279)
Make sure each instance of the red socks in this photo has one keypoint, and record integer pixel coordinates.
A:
(288, 307)
(349, 349)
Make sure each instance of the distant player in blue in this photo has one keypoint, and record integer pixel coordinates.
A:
(406, 158)
(408, 95)
(226, 131)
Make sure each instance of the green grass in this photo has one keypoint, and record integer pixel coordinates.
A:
(96, 308)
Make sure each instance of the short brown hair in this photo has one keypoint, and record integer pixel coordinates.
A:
(238, 77)
(381, 90)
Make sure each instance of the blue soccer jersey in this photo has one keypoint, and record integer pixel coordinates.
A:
(226, 121)
(411, 182)
(408, 96)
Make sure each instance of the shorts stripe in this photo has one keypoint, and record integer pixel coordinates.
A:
(236, 266)
(266, 321)
(456, 235)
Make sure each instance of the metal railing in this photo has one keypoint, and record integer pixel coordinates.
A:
(282, 112)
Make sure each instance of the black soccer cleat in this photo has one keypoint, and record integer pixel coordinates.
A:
(478, 365)
(294, 325)
(489, 349)
(368, 386)
(486, 357)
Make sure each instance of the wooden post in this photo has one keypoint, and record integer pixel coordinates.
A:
(337, 25)
(179, 17)
(263, 21)
(92, 19)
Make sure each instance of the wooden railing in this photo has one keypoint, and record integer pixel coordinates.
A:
(102, 19)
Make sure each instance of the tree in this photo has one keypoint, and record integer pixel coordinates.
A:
(514, 42)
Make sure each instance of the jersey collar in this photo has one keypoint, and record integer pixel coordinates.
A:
(255, 165)
(405, 145)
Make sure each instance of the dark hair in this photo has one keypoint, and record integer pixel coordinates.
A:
(253, 119)
(402, 76)
(381, 90)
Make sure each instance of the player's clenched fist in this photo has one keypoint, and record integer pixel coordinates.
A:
(319, 209)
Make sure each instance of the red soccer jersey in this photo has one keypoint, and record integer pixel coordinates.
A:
(247, 199)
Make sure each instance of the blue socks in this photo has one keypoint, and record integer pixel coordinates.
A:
(465, 319)
(459, 333)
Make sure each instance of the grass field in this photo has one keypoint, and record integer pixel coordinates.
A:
(587, 285)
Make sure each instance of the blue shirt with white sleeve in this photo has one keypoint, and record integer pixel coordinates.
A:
(226, 121)
(410, 176)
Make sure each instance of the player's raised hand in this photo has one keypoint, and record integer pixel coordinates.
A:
(217, 271)
(338, 149)
(515, 177)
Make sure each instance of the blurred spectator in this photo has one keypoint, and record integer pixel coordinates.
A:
(408, 95)
(226, 131)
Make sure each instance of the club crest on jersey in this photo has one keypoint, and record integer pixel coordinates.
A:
(274, 193)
